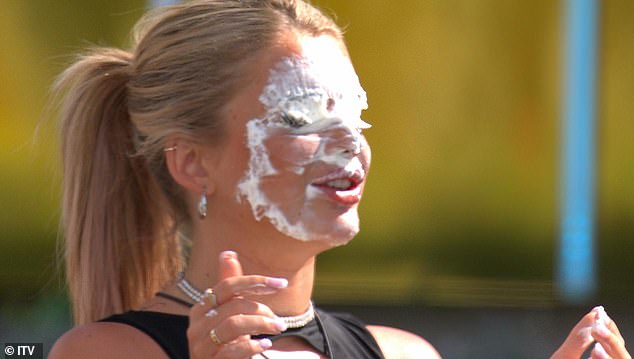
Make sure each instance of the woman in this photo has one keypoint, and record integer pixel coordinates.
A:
(236, 124)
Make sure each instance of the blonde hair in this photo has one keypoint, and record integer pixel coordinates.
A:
(122, 212)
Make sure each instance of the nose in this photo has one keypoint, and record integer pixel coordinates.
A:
(344, 140)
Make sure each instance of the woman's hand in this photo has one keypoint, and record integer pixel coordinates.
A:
(224, 330)
(596, 327)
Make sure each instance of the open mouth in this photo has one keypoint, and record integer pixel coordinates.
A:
(342, 185)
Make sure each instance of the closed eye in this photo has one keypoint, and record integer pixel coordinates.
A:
(293, 121)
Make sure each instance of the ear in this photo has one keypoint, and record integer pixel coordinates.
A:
(189, 164)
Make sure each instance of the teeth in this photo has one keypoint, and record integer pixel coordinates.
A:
(340, 184)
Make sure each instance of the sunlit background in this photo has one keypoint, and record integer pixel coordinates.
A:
(461, 217)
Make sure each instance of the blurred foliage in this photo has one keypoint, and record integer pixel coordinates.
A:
(465, 98)
(37, 40)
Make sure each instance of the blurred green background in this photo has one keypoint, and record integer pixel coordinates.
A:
(461, 209)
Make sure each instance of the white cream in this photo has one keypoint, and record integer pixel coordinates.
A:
(306, 98)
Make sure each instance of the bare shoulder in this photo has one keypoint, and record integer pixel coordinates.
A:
(105, 340)
(397, 343)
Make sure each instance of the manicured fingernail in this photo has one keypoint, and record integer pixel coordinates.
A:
(228, 255)
(602, 330)
(277, 282)
(265, 343)
(600, 352)
(211, 313)
(279, 324)
(603, 316)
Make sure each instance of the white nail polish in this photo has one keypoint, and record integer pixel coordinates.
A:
(601, 329)
(600, 352)
(603, 316)
(265, 343)
(277, 282)
(278, 323)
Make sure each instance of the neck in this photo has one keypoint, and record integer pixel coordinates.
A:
(259, 255)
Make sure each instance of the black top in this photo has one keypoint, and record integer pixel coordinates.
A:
(336, 335)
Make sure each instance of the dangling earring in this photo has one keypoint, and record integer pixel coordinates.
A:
(202, 204)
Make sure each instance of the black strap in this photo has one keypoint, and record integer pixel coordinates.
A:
(174, 299)
(328, 350)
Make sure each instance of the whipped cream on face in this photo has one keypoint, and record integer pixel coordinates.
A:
(305, 98)
(314, 94)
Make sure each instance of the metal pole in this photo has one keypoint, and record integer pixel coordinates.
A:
(577, 259)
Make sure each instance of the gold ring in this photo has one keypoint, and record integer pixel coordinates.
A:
(214, 337)
(209, 294)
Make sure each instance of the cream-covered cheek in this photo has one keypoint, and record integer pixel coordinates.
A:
(288, 152)
(312, 116)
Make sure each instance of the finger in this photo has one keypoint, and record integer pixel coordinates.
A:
(598, 352)
(244, 348)
(614, 329)
(199, 328)
(603, 316)
(244, 306)
(248, 285)
(238, 325)
(234, 287)
(228, 265)
(200, 340)
(578, 340)
(200, 344)
(237, 306)
(613, 343)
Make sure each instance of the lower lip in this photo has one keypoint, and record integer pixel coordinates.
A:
(349, 197)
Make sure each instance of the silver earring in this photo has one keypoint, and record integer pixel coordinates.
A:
(202, 204)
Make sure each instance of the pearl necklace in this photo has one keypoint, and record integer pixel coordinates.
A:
(294, 321)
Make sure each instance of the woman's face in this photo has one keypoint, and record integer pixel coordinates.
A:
(307, 159)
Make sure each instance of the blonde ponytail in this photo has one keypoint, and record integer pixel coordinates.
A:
(119, 247)
(122, 211)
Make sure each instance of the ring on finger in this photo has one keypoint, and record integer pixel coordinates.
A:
(214, 337)
(211, 296)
